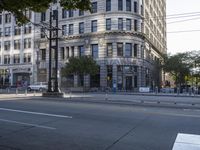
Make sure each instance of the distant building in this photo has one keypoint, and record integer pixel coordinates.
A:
(125, 37)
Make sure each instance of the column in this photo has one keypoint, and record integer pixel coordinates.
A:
(11, 77)
(114, 76)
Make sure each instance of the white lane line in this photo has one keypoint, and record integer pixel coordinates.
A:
(187, 142)
(27, 124)
(36, 113)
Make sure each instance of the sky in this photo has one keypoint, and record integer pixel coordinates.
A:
(183, 41)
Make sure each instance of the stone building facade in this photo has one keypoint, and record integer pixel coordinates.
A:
(123, 37)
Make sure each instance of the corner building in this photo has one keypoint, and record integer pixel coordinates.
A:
(125, 37)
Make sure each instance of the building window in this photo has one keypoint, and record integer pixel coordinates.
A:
(95, 50)
(109, 50)
(128, 24)
(6, 59)
(94, 7)
(64, 13)
(72, 51)
(120, 23)
(43, 54)
(128, 50)
(7, 31)
(135, 7)
(135, 25)
(27, 57)
(71, 29)
(81, 50)
(17, 44)
(64, 29)
(119, 49)
(43, 16)
(108, 5)
(81, 27)
(94, 26)
(81, 13)
(71, 13)
(128, 5)
(62, 53)
(16, 59)
(7, 45)
(135, 50)
(7, 18)
(108, 24)
(27, 29)
(55, 14)
(120, 5)
(17, 30)
(67, 52)
(27, 43)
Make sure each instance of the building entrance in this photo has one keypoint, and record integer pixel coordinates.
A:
(129, 82)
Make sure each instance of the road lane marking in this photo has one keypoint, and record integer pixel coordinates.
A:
(27, 124)
(187, 142)
(36, 113)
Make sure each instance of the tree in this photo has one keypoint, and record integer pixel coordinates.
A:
(84, 65)
(19, 7)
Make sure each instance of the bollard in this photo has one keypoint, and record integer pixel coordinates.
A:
(25, 92)
(156, 90)
(8, 90)
(106, 97)
(34, 92)
(16, 91)
(70, 95)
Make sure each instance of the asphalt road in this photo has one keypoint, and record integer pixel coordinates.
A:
(49, 125)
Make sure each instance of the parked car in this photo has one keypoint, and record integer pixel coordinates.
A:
(41, 86)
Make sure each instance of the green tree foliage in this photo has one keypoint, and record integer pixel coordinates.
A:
(18, 7)
(80, 66)
(178, 66)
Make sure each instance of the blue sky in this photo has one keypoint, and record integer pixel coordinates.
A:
(186, 41)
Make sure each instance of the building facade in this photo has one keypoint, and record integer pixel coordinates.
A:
(125, 37)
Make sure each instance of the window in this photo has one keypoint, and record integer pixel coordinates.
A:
(7, 31)
(17, 30)
(0, 19)
(71, 13)
(135, 50)
(120, 5)
(62, 53)
(119, 49)
(7, 18)
(16, 59)
(135, 7)
(7, 45)
(27, 29)
(64, 29)
(135, 25)
(120, 23)
(94, 7)
(109, 50)
(72, 51)
(81, 27)
(17, 44)
(1, 34)
(27, 43)
(81, 13)
(128, 50)
(81, 50)
(71, 29)
(43, 16)
(128, 24)
(95, 50)
(55, 14)
(27, 57)
(128, 5)
(43, 54)
(6, 59)
(94, 26)
(108, 24)
(64, 13)
(67, 52)
(108, 5)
